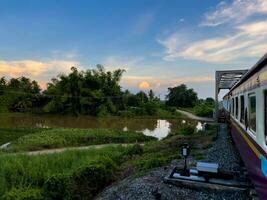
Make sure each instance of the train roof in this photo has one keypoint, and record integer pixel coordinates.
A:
(257, 67)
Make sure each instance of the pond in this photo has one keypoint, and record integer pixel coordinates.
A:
(159, 128)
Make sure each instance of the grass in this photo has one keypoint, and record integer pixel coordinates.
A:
(81, 174)
(201, 110)
(63, 137)
(10, 134)
(63, 176)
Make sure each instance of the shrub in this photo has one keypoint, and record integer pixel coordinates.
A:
(134, 150)
(126, 113)
(23, 194)
(204, 110)
(89, 179)
(151, 108)
(187, 130)
(56, 186)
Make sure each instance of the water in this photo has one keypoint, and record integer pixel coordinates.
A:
(159, 128)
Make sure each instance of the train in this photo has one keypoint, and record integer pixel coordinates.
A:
(246, 105)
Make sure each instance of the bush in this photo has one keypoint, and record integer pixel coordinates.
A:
(187, 130)
(204, 110)
(126, 113)
(24, 194)
(56, 186)
(89, 179)
(151, 108)
(134, 150)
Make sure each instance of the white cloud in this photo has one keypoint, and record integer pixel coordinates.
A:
(246, 40)
(237, 11)
(42, 71)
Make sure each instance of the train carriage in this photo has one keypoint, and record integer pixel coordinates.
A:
(246, 103)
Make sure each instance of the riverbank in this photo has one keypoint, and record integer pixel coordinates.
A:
(52, 138)
(151, 186)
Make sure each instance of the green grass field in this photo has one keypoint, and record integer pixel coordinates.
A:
(63, 137)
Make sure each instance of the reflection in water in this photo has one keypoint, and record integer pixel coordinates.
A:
(199, 126)
(161, 131)
(154, 127)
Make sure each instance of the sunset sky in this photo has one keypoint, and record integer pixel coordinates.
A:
(160, 43)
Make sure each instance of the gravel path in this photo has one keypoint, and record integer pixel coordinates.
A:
(192, 116)
(151, 186)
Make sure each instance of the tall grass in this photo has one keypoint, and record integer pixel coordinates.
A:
(66, 171)
(10, 134)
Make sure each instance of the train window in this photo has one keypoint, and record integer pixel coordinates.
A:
(236, 107)
(252, 112)
(242, 107)
(232, 107)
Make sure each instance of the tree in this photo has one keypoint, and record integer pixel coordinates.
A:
(210, 100)
(95, 92)
(21, 94)
(151, 95)
(181, 96)
(2, 85)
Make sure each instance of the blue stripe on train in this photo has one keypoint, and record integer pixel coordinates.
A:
(263, 165)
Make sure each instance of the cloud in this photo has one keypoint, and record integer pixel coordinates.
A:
(142, 23)
(246, 40)
(237, 11)
(42, 71)
(123, 62)
(144, 85)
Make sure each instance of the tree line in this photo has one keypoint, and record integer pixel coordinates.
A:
(91, 92)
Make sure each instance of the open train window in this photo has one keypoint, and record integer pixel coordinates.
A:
(242, 109)
(236, 107)
(252, 112)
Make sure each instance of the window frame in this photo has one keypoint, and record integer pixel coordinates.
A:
(232, 106)
(236, 107)
(242, 109)
(249, 113)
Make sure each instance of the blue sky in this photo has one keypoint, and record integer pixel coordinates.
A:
(160, 43)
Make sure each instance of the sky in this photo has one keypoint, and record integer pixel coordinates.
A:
(160, 43)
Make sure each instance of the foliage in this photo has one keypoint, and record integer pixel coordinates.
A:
(10, 134)
(204, 110)
(180, 96)
(187, 130)
(19, 94)
(56, 138)
(24, 194)
(94, 92)
(68, 175)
